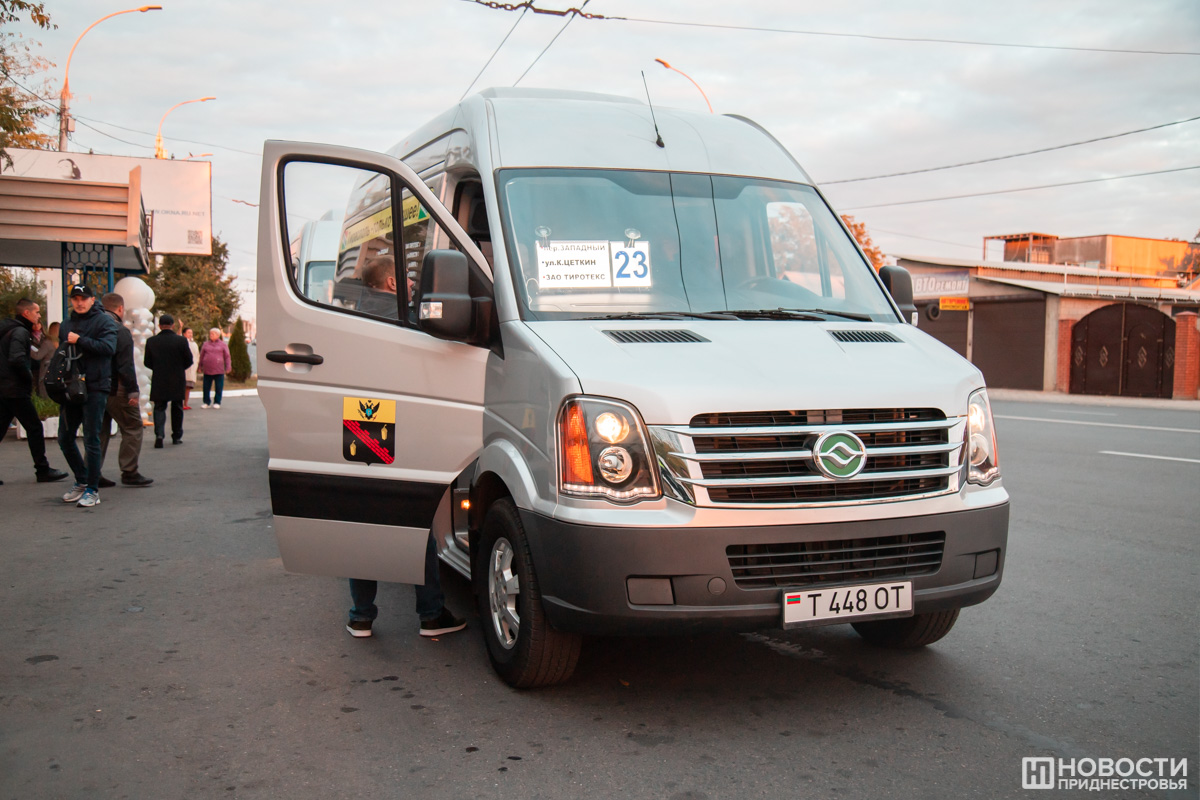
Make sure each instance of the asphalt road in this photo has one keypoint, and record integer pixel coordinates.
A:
(154, 647)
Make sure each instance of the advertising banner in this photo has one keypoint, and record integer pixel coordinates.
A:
(937, 284)
(177, 195)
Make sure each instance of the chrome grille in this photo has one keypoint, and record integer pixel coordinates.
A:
(766, 458)
(757, 566)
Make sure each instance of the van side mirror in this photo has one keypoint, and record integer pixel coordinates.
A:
(899, 285)
(445, 309)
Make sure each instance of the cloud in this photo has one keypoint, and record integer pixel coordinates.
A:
(365, 74)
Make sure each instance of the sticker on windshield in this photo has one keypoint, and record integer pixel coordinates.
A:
(368, 430)
(630, 263)
(573, 265)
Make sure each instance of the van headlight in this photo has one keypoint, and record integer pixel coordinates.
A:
(982, 458)
(604, 451)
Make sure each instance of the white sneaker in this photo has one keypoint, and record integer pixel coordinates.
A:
(76, 492)
(216, 405)
(204, 405)
(89, 499)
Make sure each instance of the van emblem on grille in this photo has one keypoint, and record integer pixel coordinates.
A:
(839, 455)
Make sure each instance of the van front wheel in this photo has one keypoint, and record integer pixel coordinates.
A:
(524, 650)
(908, 632)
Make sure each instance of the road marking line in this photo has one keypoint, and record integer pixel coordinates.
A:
(1099, 424)
(1092, 413)
(1144, 455)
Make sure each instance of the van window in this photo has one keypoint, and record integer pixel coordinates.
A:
(348, 249)
(796, 255)
(590, 243)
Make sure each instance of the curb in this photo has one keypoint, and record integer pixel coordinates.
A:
(229, 393)
(1031, 396)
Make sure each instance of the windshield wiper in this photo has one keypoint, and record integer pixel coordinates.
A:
(845, 314)
(809, 314)
(667, 315)
(775, 313)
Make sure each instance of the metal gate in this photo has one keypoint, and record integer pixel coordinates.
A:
(1123, 349)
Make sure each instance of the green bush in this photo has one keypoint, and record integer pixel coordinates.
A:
(239, 356)
(45, 408)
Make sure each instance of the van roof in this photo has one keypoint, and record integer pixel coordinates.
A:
(574, 129)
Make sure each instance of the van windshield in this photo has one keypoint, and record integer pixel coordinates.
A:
(594, 243)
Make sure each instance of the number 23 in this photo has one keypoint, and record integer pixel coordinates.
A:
(640, 269)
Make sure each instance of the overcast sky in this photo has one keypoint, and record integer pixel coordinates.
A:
(367, 72)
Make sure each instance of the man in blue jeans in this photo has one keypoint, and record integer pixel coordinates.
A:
(436, 619)
(94, 334)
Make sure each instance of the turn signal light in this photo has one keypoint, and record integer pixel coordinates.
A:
(577, 457)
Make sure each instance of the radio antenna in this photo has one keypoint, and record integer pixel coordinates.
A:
(658, 141)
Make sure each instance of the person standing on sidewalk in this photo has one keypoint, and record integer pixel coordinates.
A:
(190, 375)
(123, 403)
(94, 334)
(16, 386)
(215, 364)
(167, 354)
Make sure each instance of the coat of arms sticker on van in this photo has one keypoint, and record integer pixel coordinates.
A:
(368, 430)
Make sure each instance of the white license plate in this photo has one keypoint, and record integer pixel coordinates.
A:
(847, 602)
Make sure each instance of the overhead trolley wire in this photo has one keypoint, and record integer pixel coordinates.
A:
(910, 39)
(494, 52)
(1012, 155)
(572, 13)
(570, 19)
(1021, 189)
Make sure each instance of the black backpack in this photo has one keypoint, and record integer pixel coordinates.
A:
(65, 383)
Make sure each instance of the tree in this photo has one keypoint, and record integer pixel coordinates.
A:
(20, 109)
(859, 229)
(195, 289)
(239, 356)
(18, 283)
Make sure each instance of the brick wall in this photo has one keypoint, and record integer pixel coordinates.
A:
(1187, 356)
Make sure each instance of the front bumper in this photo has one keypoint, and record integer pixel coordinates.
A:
(583, 571)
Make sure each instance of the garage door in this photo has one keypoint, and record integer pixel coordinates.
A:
(1010, 342)
(948, 327)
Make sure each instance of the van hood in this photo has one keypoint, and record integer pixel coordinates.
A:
(760, 365)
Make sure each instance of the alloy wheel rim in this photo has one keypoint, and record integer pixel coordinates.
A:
(503, 590)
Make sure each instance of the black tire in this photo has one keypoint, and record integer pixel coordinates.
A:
(909, 632)
(526, 652)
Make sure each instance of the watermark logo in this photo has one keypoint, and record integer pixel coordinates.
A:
(1037, 772)
(1104, 774)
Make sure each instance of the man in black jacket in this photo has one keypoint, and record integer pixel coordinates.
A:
(168, 354)
(123, 402)
(16, 386)
(94, 335)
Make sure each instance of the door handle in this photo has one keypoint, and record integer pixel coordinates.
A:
(284, 357)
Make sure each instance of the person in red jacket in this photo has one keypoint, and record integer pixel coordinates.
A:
(215, 364)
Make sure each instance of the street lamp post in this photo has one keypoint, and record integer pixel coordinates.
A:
(159, 150)
(689, 77)
(65, 125)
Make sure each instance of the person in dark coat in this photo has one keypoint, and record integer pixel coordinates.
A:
(169, 356)
(16, 386)
(123, 402)
(94, 335)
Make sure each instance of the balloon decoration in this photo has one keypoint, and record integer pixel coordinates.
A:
(139, 299)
